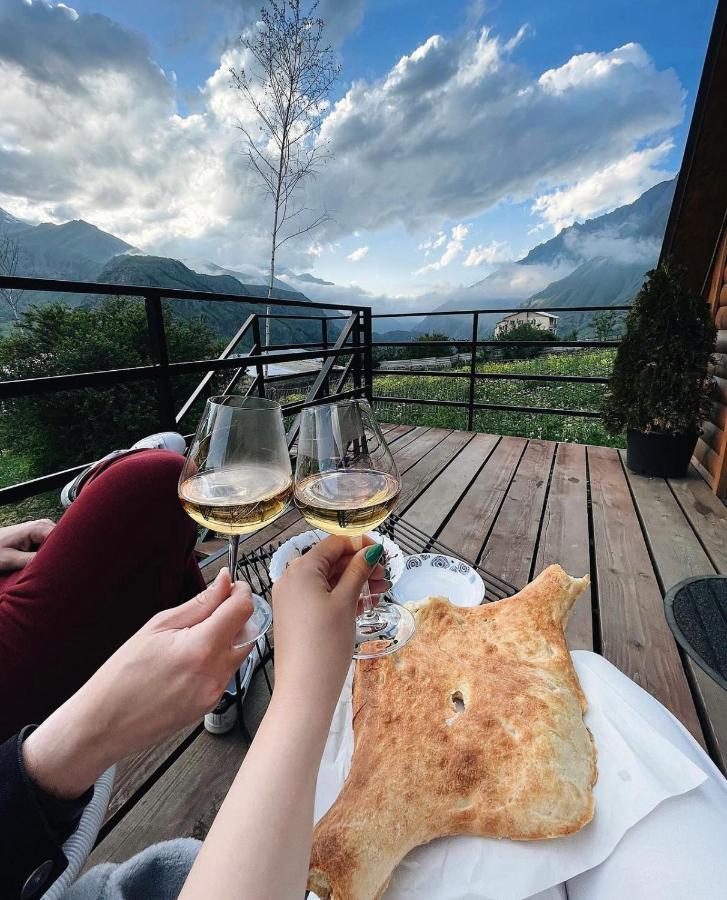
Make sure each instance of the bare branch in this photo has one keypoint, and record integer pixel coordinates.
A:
(285, 85)
(9, 264)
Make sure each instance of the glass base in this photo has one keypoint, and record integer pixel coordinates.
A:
(392, 627)
(257, 625)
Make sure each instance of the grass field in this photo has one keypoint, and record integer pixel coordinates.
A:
(522, 393)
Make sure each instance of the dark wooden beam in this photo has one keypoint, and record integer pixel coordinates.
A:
(697, 214)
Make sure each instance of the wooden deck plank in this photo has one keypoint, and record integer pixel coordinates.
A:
(563, 536)
(634, 634)
(432, 507)
(706, 513)
(678, 554)
(134, 771)
(185, 800)
(395, 432)
(421, 474)
(470, 523)
(510, 548)
(422, 441)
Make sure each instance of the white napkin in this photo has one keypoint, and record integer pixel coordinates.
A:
(637, 770)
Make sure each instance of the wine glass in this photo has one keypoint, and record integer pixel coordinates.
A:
(237, 478)
(346, 482)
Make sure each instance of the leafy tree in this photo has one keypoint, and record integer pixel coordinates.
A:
(606, 326)
(425, 352)
(524, 331)
(660, 379)
(62, 429)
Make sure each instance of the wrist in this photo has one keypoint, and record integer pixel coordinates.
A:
(67, 753)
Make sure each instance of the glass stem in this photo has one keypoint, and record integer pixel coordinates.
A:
(369, 606)
(232, 548)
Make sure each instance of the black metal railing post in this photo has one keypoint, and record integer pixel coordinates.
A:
(324, 341)
(160, 358)
(368, 337)
(257, 344)
(356, 340)
(473, 370)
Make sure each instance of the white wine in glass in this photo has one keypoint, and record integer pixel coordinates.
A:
(237, 479)
(346, 482)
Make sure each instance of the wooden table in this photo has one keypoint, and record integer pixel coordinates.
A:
(515, 506)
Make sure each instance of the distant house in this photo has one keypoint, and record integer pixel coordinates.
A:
(527, 317)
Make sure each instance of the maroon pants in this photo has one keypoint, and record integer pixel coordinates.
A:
(122, 552)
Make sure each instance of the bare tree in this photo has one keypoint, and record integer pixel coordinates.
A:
(9, 263)
(286, 86)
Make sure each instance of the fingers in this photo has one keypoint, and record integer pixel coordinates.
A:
(358, 572)
(39, 530)
(227, 620)
(11, 560)
(201, 607)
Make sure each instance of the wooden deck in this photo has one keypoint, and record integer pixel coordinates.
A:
(515, 506)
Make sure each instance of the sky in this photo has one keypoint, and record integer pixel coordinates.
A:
(461, 134)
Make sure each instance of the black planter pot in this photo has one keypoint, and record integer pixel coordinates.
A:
(658, 453)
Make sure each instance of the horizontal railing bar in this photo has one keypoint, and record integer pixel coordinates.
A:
(501, 407)
(299, 317)
(25, 387)
(292, 408)
(502, 344)
(494, 376)
(24, 489)
(499, 310)
(308, 344)
(140, 290)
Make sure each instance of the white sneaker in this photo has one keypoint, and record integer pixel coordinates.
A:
(223, 717)
(164, 440)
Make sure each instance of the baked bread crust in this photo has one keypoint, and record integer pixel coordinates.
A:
(475, 727)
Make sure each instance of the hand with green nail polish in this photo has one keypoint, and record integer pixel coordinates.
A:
(315, 605)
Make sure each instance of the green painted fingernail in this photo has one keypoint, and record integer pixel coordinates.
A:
(373, 554)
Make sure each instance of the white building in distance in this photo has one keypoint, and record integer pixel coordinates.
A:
(543, 320)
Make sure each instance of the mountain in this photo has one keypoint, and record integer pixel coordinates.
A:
(642, 221)
(75, 250)
(82, 252)
(223, 316)
(256, 283)
(311, 279)
(604, 281)
(600, 262)
(9, 224)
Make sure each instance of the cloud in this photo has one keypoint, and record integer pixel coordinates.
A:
(454, 247)
(456, 127)
(358, 254)
(496, 251)
(91, 128)
(614, 185)
(342, 17)
(433, 243)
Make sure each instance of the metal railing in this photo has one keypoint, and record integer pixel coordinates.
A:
(474, 343)
(346, 331)
(352, 341)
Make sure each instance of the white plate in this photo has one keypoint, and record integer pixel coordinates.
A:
(292, 549)
(433, 575)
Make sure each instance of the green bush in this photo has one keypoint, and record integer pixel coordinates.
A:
(53, 431)
(523, 331)
(660, 379)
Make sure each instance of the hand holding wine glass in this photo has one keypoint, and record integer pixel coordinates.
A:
(347, 483)
(237, 479)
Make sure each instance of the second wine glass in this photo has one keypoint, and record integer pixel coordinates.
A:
(346, 482)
